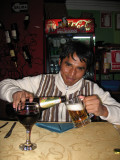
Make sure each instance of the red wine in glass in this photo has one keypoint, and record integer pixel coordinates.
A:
(28, 114)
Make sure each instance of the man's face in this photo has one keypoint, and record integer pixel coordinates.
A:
(72, 70)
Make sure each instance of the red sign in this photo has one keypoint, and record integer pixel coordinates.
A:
(115, 60)
(63, 26)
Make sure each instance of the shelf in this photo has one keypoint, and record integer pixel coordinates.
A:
(111, 80)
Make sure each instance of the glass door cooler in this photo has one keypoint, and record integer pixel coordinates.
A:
(60, 31)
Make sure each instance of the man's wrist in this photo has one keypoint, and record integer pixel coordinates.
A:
(105, 111)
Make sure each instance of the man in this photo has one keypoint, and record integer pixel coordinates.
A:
(75, 60)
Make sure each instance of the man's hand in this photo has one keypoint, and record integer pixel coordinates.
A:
(94, 105)
(21, 96)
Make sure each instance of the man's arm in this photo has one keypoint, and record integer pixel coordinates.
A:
(9, 86)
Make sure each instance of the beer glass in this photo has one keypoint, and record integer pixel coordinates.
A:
(78, 112)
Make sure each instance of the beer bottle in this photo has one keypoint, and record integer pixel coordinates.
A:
(42, 102)
(46, 102)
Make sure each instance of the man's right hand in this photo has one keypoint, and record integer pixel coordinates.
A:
(21, 96)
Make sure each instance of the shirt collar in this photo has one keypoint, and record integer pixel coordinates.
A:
(63, 87)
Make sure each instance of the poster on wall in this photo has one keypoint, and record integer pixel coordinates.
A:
(115, 59)
(106, 20)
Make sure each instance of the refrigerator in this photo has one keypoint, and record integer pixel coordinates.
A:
(60, 31)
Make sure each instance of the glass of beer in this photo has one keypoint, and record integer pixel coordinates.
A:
(78, 112)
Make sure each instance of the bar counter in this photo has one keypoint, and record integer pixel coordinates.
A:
(96, 141)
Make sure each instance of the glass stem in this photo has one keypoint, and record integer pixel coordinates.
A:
(28, 136)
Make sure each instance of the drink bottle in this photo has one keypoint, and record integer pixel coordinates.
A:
(14, 32)
(26, 21)
(41, 102)
(27, 55)
(13, 54)
(46, 102)
(8, 38)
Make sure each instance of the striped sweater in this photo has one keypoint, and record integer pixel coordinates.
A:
(49, 87)
(53, 85)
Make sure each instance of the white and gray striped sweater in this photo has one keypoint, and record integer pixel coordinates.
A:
(53, 85)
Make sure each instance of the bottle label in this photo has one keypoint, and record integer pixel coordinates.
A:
(12, 53)
(8, 40)
(46, 102)
(14, 33)
(26, 18)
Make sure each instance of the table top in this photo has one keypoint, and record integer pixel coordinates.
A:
(96, 141)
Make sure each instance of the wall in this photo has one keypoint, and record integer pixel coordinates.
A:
(108, 35)
(33, 37)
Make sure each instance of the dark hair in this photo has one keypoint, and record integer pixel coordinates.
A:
(83, 51)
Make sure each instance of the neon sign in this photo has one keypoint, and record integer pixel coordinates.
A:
(58, 26)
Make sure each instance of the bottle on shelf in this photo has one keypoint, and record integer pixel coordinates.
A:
(56, 67)
(12, 54)
(97, 64)
(26, 21)
(14, 32)
(106, 64)
(52, 67)
(8, 37)
(27, 55)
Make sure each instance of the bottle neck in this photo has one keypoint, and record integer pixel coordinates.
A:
(36, 99)
(63, 99)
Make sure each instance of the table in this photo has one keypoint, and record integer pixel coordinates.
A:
(96, 141)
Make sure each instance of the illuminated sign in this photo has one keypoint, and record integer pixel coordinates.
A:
(58, 26)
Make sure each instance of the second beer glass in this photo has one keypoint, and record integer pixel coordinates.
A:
(78, 112)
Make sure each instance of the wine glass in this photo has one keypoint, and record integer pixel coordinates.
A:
(28, 114)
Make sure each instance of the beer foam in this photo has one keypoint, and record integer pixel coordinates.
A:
(75, 107)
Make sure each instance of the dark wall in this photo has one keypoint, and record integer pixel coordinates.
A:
(32, 36)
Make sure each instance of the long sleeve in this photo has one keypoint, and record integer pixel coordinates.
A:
(10, 86)
(110, 103)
